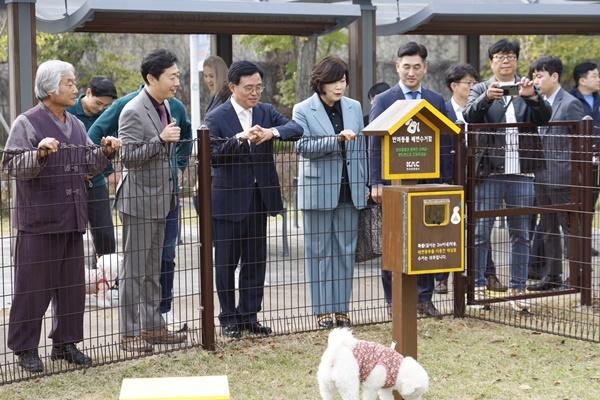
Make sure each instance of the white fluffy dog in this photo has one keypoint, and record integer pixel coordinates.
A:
(348, 362)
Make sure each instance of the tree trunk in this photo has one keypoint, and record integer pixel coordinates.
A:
(306, 61)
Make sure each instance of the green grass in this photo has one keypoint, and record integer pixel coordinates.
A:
(466, 359)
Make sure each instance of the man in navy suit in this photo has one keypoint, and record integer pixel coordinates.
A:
(411, 66)
(587, 91)
(245, 189)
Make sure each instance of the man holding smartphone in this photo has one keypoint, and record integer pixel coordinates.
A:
(505, 161)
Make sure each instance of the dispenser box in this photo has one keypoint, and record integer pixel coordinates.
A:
(423, 229)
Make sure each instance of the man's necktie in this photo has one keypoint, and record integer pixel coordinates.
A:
(246, 119)
(162, 112)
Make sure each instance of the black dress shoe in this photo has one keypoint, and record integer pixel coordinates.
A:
(325, 321)
(70, 353)
(231, 331)
(547, 283)
(427, 308)
(342, 320)
(30, 361)
(494, 284)
(256, 327)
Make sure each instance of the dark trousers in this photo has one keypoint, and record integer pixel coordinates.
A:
(167, 270)
(546, 250)
(100, 220)
(245, 242)
(48, 267)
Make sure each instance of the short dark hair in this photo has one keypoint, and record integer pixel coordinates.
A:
(456, 73)
(156, 62)
(504, 46)
(377, 88)
(550, 64)
(582, 69)
(101, 86)
(328, 70)
(242, 68)
(412, 49)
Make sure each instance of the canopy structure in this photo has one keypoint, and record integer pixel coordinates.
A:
(481, 17)
(193, 16)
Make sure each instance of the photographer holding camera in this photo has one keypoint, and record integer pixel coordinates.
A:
(505, 161)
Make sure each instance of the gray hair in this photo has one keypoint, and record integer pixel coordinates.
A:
(48, 77)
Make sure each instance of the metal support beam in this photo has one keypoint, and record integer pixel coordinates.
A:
(223, 47)
(362, 49)
(21, 55)
(473, 56)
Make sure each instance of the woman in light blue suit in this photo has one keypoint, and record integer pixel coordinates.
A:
(332, 188)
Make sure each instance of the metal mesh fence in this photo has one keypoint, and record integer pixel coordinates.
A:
(284, 233)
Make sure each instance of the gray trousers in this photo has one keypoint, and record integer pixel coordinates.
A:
(139, 288)
(329, 247)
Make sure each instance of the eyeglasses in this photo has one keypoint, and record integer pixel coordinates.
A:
(258, 89)
(470, 83)
(504, 57)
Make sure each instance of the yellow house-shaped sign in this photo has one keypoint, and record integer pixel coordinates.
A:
(411, 139)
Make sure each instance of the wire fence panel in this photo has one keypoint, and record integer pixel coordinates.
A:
(282, 237)
(531, 203)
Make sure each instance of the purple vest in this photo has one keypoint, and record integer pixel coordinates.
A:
(55, 201)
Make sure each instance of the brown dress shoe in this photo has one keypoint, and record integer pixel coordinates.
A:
(163, 336)
(494, 284)
(135, 344)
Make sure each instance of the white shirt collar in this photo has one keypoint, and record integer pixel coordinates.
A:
(458, 109)
(238, 109)
(551, 98)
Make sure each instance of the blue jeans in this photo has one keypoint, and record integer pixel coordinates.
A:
(516, 191)
(167, 270)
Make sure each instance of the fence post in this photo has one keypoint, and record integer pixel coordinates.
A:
(459, 179)
(586, 129)
(206, 259)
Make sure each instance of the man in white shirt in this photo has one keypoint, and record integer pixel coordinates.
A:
(553, 182)
(505, 162)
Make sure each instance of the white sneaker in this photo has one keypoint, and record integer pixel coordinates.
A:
(172, 322)
(522, 305)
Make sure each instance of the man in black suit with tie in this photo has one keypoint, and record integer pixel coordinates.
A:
(553, 182)
(245, 189)
(411, 66)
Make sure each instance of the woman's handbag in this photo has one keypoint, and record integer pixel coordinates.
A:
(369, 242)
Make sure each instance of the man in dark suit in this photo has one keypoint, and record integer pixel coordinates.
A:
(245, 189)
(587, 91)
(411, 66)
(505, 162)
(553, 181)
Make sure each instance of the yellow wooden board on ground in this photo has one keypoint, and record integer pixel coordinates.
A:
(176, 388)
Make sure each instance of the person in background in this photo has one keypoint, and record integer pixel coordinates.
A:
(332, 188)
(376, 89)
(553, 182)
(49, 154)
(215, 78)
(98, 96)
(108, 124)
(459, 80)
(411, 66)
(587, 91)
(146, 196)
(245, 190)
(505, 161)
